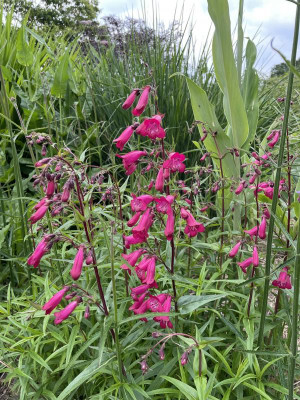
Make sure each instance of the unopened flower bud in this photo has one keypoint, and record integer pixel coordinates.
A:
(44, 150)
(87, 312)
(144, 367)
(184, 358)
(156, 334)
(161, 352)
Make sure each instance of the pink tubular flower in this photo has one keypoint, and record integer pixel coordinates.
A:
(141, 230)
(255, 257)
(151, 127)
(233, 252)
(159, 183)
(169, 231)
(140, 203)
(163, 204)
(55, 300)
(240, 188)
(64, 313)
(50, 189)
(139, 290)
(252, 179)
(245, 264)
(203, 209)
(42, 162)
(65, 194)
(192, 226)
(40, 203)
(143, 101)
(166, 307)
(284, 280)
(130, 99)
(262, 228)
(124, 137)
(150, 277)
(175, 162)
(252, 232)
(132, 258)
(130, 240)
(77, 264)
(38, 253)
(275, 139)
(38, 214)
(130, 160)
(134, 219)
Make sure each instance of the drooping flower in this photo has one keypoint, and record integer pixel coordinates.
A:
(192, 226)
(245, 264)
(141, 230)
(134, 219)
(78, 263)
(169, 230)
(163, 204)
(252, 232)
(275, 139)
(262, 228)
(284, 280)
(132, 258)
(130, 240)
(165, 301)
(42, 162)
(151, 127)
(40, 250)
(142, 103)
(130, 99)
(175, 162)
(65, 313)
(55, 300)
(40, 203)
(240, 188)
(159, 183)
(233, 252)
(255, 257)
(140, 203)
(50, 188)
(131, 159)
(150, 273)
(124, 137)
(39, 214)
(66, 193)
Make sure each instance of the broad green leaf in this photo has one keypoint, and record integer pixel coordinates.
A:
(185, 389)
(226, 72)
(61, 77)
(204, 111)
(24, 53)
(250, 93)
(190, 303)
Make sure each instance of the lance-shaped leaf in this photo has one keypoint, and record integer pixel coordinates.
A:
(61, 77)
(226, 73)
(24, 53)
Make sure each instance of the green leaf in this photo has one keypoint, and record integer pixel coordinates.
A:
(250, 93)
(39, 360)
(190, 303)
(61, 77)
(226, 72)
(185, 389)
(259, 391)
(3, 233)
(24, 53)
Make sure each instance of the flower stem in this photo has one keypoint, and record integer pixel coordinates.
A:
(277, 179)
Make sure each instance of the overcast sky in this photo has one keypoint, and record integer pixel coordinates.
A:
(271, 18)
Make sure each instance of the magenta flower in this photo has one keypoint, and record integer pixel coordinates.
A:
(50, 189)
(240, 188)
(140, 203)
(252, 232)
(267, 213)
(139, 290)
(175, 162)
(163, 204)
(55, 300)
(65, 194)
(42, 162)
(40, 250)
(284, 280)
(132, 258)
(131, 159)
(165, 301)
(142, 103)
(134, 219)
(78, 263)
(151, 128)
(124, 137)
(252, 178)
(159, 183)
(233, 252)
(275, 139)
(39, 214)
(141, 230)
(40, 203)
(192, 226)
(64, 313)
(245, 264)
(130, 99)
(255, 257)
(169, 231)
(262, 228)
(130, 240)
(138, 302)
(150, 277)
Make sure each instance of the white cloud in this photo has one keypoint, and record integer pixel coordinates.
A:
(272, 18)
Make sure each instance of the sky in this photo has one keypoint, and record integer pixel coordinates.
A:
(264, 20)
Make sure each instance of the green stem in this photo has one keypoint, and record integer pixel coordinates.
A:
(295, 318)
(277, 179)
(114, 290)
